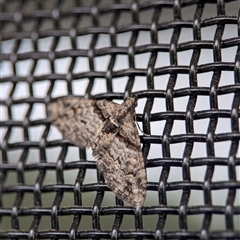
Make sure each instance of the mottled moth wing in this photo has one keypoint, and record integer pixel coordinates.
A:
(79, 120)
(119, 156)
(109, 128)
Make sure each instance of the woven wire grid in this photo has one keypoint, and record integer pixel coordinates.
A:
(188, 108)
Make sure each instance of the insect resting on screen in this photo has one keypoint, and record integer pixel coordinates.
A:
(109, 129)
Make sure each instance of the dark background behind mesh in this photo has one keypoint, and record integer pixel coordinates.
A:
(50, 188)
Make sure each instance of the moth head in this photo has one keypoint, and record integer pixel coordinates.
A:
(131, 102)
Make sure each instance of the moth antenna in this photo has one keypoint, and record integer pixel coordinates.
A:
(145, 134)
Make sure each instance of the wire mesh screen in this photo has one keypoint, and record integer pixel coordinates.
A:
(182, 60)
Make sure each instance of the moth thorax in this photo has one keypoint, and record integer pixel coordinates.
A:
(111, 125)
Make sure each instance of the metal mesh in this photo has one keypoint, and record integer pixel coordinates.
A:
(182, 59)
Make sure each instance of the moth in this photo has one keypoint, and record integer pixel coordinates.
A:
(109, 129)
